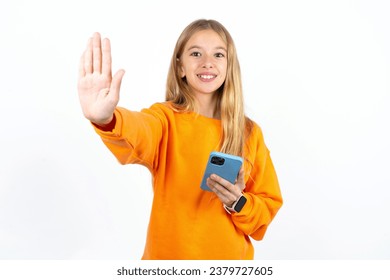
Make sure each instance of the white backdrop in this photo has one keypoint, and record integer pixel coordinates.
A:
(316, 79)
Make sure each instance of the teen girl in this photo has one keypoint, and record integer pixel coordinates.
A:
(203, 112)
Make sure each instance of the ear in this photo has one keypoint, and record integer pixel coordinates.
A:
(182, 72)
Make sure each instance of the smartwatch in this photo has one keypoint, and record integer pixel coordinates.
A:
(237, 205)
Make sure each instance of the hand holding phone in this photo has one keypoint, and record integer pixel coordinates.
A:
(224, 165)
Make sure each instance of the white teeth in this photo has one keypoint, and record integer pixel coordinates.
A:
(208, 77)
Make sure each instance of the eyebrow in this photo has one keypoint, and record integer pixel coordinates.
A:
(198, 47)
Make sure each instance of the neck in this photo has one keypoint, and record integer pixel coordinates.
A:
(208, 106)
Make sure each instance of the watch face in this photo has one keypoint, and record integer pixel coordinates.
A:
(240, 204)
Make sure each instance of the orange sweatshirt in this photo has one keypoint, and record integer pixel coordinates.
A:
(187, 222)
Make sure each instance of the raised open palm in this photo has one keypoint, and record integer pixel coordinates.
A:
(98, 90)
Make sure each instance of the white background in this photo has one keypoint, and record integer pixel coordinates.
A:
(316, 79)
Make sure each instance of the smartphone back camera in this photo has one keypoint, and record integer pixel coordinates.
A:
(217, 160)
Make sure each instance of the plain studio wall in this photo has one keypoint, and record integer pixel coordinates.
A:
(316, 79)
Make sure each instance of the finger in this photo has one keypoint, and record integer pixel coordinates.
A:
(81, 67)
(223, 194)
(229, 187)
(224, 183)
(116, 85)
(88, 57)
(97, 53)
(106, 59)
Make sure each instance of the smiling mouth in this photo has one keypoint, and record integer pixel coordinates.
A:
(207, 77)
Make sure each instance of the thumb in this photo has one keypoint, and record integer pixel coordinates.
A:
(116, 83)
(241, 179)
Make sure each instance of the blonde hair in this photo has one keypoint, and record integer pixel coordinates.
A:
(235, 125)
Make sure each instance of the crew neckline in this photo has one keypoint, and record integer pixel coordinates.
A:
(192, 114)
(199, 116)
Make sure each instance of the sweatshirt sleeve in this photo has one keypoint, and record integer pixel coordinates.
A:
(262, 191)
(135, 137)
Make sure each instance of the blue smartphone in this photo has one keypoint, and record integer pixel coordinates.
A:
(224, 165)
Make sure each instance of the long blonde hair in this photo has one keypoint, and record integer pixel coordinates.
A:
(235, 125)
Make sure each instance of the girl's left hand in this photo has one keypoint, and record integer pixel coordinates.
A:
(226, 191)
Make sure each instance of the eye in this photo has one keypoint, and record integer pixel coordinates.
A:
(220, 55)
(196, 54)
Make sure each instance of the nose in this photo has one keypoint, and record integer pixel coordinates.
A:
(207, 62)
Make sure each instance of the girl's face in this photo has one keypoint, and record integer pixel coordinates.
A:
(204, 62)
